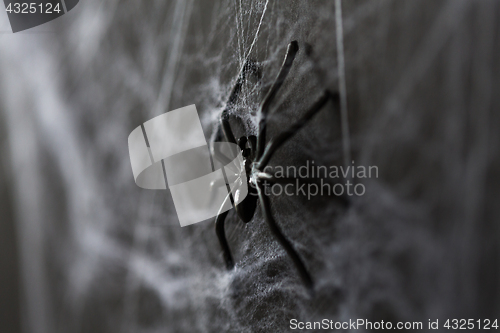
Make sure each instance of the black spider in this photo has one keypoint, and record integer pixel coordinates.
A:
(257, 154)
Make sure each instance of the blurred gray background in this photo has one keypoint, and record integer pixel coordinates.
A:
(83, 249)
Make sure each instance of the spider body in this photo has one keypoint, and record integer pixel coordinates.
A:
(257, 154)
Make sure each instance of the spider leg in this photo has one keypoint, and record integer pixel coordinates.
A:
(293, 47)
(287, 134)
(250, 66)
(287, 245)
(221, 235)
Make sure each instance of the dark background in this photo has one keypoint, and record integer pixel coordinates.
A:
(83, 249)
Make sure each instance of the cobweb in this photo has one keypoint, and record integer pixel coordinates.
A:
(100, 254)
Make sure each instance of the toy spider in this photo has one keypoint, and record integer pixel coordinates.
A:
(256, 155)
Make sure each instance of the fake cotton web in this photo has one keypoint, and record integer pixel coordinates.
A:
(102, 255)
